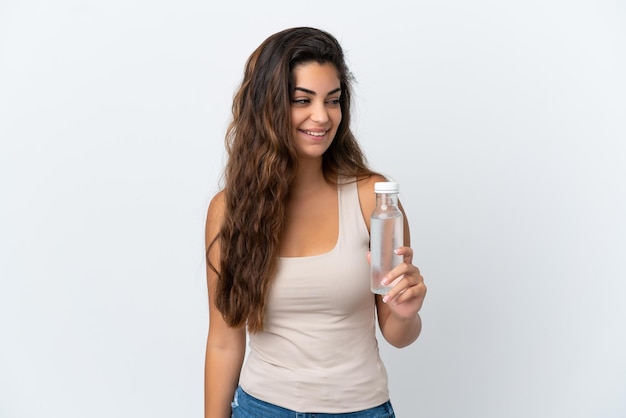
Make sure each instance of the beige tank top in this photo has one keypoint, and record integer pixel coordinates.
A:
(318, 350)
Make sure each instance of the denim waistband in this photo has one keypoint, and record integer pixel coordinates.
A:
(247, 406)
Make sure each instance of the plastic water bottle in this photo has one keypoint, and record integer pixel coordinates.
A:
(386, 235)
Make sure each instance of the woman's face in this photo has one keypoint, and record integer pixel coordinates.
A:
(315, 108)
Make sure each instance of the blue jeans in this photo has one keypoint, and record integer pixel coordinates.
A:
(247, 406)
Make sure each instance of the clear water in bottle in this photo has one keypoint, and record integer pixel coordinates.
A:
(386, 231)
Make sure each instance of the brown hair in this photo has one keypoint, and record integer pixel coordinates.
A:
(262, 162)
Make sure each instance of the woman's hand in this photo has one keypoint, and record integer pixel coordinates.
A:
(407, 295)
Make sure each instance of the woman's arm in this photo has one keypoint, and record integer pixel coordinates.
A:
(398, 310)
(398, 316)
(225, 346)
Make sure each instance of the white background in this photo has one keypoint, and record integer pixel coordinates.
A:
(504, 123)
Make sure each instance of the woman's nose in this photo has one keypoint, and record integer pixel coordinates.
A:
(319, 113)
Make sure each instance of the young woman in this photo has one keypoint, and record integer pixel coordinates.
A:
(287, 248)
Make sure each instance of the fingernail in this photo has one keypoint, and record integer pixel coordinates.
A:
(397, 251)
(385, 298)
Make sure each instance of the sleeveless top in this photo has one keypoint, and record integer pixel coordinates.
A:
(318, 350)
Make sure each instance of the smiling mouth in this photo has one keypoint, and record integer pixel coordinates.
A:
(317, 134)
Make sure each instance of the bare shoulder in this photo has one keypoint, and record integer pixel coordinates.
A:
(367, 184)
(218, 202)
(215, 215)
(366, 188)
(367, 197)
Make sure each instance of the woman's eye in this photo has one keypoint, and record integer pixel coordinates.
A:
(300, 101)
(334, 102)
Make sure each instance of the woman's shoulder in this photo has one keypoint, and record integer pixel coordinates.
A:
(215, 213)
(366, 184)
(217, 203)
(367, 197)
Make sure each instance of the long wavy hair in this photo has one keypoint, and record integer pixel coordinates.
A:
(262, 163)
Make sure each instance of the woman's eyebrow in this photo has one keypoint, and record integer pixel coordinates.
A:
(311, 92)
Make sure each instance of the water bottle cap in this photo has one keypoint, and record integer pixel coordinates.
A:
(386, 187)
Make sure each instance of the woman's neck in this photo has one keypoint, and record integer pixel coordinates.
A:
(309, 177)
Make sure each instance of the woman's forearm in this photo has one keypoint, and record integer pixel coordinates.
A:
(401, 332)
(222, 369)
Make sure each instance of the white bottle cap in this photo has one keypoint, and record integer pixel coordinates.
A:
(386, 187)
